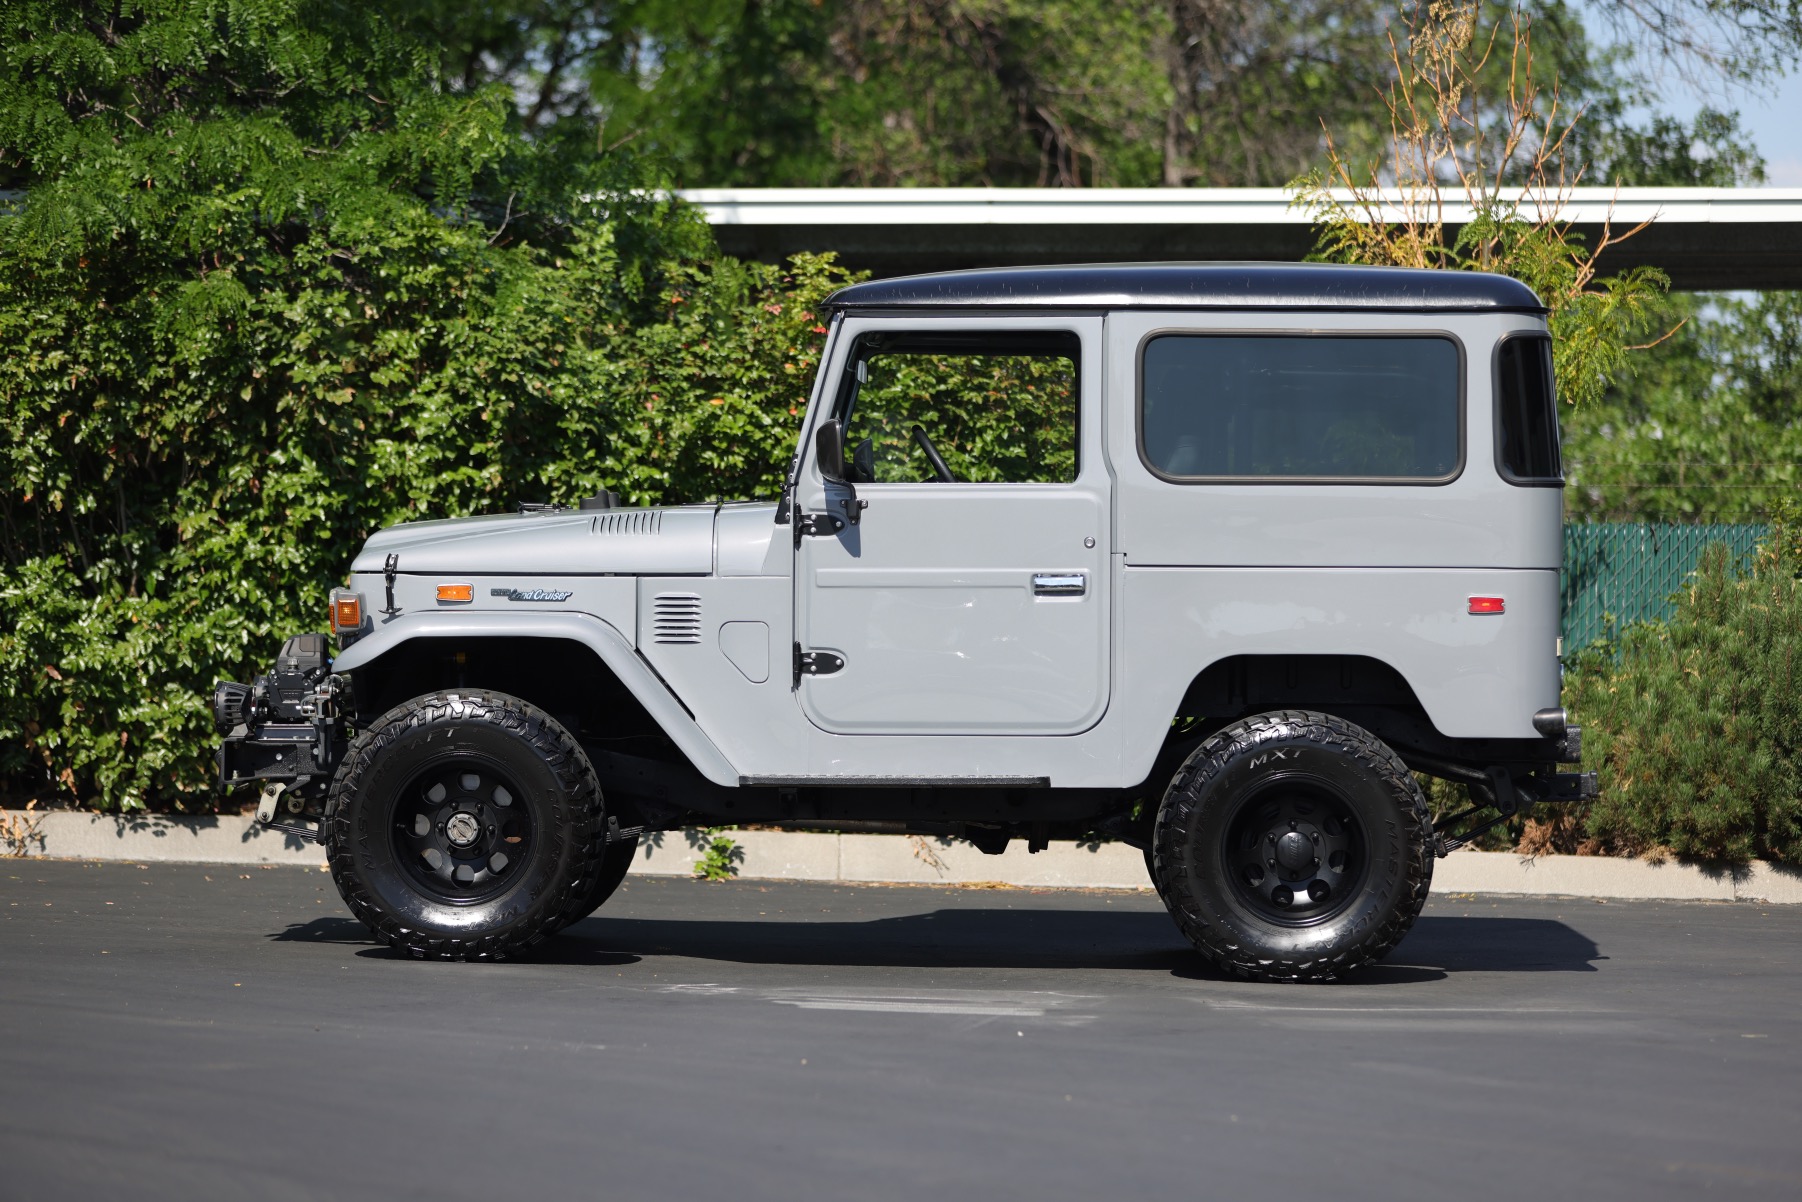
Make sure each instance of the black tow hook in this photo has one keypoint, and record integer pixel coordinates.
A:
(1508, 797)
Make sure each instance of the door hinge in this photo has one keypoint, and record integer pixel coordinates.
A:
(816, 663)
(819, 523)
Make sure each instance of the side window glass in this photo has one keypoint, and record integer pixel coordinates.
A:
(980, 408)
(1526, 412)
(1312, 408)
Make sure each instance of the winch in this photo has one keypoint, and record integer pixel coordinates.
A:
(284, 731)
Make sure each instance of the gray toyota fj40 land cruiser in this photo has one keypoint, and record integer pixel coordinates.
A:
(1205, 558)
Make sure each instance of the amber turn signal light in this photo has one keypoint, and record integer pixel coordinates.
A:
(1486, 605)
(456, 592)
(347, 611)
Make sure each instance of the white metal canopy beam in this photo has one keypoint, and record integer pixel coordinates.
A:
(1726, 238)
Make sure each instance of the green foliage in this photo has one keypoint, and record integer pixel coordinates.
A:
(1707, 430)
(715, 387)
(720, 856)
(273, 287)
(1695, 725)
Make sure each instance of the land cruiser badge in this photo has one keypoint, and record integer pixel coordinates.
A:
(530, 594)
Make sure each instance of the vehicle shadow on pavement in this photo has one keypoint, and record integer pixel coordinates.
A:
(1021, 939)
(351, 933)
(976, 938)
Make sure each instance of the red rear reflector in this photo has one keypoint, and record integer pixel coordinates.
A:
(1486, 605)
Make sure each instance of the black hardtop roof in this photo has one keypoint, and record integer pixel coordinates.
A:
(1196, 286)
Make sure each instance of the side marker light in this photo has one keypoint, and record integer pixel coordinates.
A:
(456, 592)
(347, 611)
(1486, 605)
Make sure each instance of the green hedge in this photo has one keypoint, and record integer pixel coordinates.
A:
(149, 565)
(272, 286)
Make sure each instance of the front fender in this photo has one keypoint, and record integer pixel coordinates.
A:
(590, 631)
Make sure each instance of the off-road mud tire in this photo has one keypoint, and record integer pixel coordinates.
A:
(614, 867)
(555, 878)
(1189, 846)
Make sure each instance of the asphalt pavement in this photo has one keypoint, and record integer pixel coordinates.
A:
(191, 1032)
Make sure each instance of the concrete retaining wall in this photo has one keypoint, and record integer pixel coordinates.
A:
(806, 856)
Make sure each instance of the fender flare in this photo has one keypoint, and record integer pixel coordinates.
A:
(597, 635)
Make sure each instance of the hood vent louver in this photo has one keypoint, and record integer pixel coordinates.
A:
(676, 618)
(629, 521)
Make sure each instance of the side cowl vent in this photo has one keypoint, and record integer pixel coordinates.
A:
(629, 521)
(676, 618)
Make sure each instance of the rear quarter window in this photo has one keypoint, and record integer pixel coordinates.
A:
(1316, 408)
(1526, 412)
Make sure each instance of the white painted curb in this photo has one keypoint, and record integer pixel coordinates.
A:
(904, 859)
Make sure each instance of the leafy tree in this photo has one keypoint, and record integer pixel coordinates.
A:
(1052, 92)
(1488, 125)
(1710, 42)
(1707, 429)
(1710, 151)
(931, 92)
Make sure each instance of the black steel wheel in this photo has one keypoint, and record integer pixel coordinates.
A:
(1293, 846)
(1295, 851)
(465, 826)
(458, 830)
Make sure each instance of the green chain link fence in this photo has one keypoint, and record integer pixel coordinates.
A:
(1627, 571)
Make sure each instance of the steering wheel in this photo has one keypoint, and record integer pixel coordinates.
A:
(933, 457)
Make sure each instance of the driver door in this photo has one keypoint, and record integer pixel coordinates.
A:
(971, 595)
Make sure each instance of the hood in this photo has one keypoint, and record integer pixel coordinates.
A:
(637, 542)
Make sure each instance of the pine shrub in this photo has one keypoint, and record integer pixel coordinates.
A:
(1695, 724)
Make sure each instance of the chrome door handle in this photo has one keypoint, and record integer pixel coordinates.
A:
(1059, 584)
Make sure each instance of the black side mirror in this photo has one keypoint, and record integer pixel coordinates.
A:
(829, 449)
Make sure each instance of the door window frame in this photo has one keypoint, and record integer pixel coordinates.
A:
(1088, 325)
(841, 406)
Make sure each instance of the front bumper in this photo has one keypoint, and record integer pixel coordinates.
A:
(285, 733)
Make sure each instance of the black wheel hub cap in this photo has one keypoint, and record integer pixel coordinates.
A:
(1295, 853)
(461, 830)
